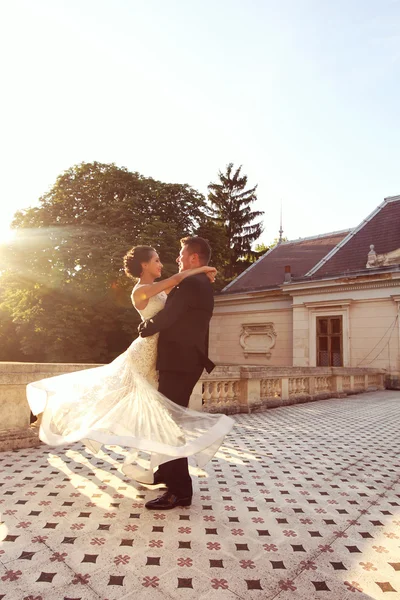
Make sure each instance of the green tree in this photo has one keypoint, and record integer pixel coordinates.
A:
(10, 347)
(262, 248)
(230, 204)
(215, 233)
(64, 290)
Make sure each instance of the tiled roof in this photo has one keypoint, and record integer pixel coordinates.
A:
(381, 228)
(301, 255)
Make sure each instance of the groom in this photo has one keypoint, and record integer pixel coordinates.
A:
(182, 355)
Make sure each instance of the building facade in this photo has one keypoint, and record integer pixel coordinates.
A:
(330, 300)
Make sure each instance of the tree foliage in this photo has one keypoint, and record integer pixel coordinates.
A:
(216, 235)
(231, 208)
(262, 248)
(64, 294)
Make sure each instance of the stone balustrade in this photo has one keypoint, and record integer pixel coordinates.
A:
(228, 389)
(233, 389)
(16, 430)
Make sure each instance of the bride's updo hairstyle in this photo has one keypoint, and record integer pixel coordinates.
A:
(134, 258)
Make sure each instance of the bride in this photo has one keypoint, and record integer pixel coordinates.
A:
(118, 403)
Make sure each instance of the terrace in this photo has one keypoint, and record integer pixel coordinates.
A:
(302, 501)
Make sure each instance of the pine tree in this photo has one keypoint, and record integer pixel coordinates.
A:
(230, 204)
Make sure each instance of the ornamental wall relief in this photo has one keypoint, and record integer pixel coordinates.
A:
(257, 338)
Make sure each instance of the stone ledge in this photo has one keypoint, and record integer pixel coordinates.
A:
(392, 381)
(229, 389)
(16, 439)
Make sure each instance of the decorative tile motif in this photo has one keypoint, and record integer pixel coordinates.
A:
(47, 577)
(302, 501)
(185, 583)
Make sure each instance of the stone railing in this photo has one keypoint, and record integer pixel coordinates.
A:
(16, 430)
(228, 389)
(233, 389)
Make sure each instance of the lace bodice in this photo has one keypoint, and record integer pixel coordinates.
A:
(154, 305)
(142, 353)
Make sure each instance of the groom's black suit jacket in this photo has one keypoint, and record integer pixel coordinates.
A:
(184, 325)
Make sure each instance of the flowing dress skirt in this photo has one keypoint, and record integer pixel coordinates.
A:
(118, 404)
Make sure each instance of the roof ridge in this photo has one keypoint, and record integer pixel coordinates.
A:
(351, 234)
(316, 237)
(392, 199)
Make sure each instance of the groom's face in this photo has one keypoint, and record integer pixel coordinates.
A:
(184, 259)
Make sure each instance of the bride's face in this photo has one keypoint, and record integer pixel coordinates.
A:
(153, 267)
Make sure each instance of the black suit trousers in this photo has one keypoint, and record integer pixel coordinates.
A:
(178, 387)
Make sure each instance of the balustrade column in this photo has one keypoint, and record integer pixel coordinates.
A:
(285, 388)
(250, 392)
(338, 383)
(230, 393)
(196, 399)
(207, 395)
(215, 393)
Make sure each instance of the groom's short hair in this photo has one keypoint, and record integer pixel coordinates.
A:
(198, 245)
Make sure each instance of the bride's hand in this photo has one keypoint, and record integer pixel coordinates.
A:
(211, 273)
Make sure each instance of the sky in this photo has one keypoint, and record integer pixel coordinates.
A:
(304, 94)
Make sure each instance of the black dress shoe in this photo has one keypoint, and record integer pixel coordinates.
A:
(168, 501)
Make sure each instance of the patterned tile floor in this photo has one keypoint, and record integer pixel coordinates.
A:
(301, 502)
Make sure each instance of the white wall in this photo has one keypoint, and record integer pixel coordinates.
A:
(226, 328)
(371, 333)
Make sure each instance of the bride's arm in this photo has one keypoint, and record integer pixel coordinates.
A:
(144, 292)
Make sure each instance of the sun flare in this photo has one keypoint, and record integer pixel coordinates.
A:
(7, 235)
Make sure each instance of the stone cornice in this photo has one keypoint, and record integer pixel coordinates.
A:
(367, 278)
(311, 287)
(346, 288)
(328, 303)
(246, 311)
(252, 297)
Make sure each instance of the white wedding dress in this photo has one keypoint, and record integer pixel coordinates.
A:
(119, 404)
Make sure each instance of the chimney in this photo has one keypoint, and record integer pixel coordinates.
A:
(288, 275)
